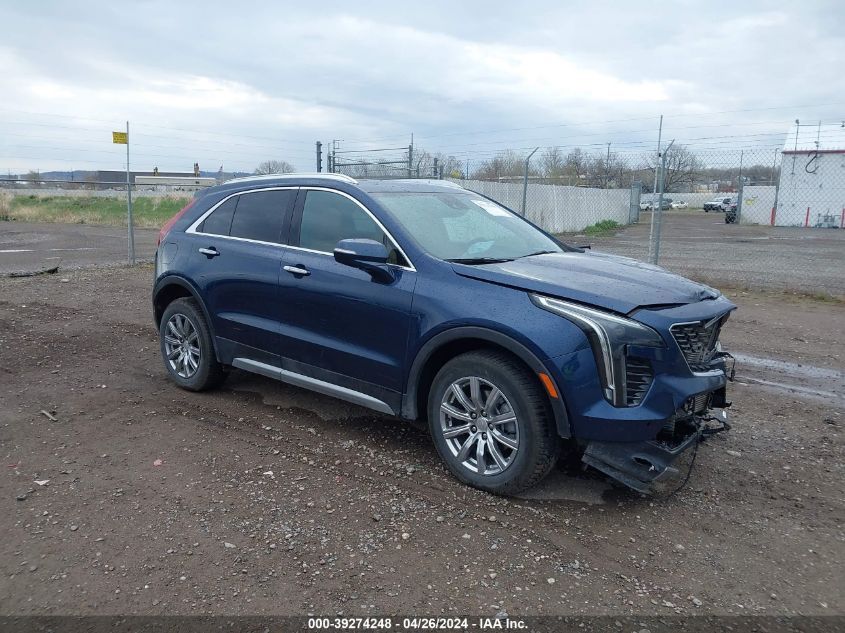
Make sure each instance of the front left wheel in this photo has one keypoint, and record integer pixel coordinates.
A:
(491, 422)
(186, 347)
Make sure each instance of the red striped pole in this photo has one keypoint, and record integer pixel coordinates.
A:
(807, 219)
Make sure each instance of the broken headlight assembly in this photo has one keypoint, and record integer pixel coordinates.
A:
(609, 336)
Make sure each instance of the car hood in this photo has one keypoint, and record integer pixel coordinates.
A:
(608, 281)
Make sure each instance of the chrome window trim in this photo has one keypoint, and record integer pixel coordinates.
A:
(393, 241)
(193, 228)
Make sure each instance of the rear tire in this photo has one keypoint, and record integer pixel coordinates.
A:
(519, 446)
(187, 349)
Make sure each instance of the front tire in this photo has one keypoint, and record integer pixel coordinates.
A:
(491, 422)
(186, 347)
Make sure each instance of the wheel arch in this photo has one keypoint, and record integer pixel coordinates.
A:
(172, 287)
(447, 345)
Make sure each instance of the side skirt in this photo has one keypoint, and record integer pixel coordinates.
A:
(314, 384)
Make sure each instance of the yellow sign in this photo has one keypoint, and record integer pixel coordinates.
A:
(121, 138)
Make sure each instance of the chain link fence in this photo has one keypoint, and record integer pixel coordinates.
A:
(761, 218)
(756, 219)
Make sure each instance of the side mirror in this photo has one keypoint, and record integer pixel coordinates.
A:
(367, 255)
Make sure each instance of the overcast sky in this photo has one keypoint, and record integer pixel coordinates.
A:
(235, 83)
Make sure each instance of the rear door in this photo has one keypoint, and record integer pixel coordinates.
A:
(338, 323)
(239, 252)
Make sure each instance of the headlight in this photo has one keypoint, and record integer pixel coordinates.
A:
(609, 336)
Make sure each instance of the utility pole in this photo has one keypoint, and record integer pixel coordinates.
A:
(654, 192)
(319, 157)
(659, 210)
(607, 169)
(740, 186)
(525, 181)
(777, 188)
(130, 227)
(411, 157)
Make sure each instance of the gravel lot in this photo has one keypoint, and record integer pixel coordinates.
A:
(702, 246)
(264, 499)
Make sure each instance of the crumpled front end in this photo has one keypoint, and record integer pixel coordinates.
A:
(650, 466)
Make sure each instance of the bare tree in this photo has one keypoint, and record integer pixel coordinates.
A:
(506, 166)
(552, 163)
(683, 168)
(275, 167)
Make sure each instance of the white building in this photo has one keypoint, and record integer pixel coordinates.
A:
(812, 178)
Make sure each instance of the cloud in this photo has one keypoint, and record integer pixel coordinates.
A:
(214, 84)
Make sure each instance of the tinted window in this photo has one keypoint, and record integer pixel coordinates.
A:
(220, 220)
(260, 215)
(328, 218)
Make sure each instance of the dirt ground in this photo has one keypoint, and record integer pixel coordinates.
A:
(261, 498)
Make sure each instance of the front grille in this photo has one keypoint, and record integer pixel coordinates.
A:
(638, 378)
(698, 341)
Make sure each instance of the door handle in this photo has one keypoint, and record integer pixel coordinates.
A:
(298, 270)
(210, 252)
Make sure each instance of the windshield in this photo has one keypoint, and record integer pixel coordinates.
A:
(465, 227)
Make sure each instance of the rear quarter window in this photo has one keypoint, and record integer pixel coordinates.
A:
(260, 215)
(220, 220)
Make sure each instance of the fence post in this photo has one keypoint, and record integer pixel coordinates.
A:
(654, 191)
(740, 189)
(525, 181)
(659, 210)
(634, 210)
(129, 224)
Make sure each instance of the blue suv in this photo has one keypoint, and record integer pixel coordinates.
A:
(423, 300)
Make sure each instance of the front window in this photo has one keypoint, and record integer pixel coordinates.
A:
(465, 227)
(328, 217)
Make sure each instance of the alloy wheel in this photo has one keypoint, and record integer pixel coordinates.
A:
(479, 425)
(181, 346)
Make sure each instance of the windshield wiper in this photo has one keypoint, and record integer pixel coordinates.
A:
(480, 260)
(538, 253)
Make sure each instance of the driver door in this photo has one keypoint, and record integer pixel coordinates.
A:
(338, 324)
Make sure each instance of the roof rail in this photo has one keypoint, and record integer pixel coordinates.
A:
(327, 176)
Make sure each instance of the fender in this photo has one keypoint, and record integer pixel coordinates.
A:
(176, 280)
(409, 399)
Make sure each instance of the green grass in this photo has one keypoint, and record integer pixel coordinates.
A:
(146, 212)
(603, 228)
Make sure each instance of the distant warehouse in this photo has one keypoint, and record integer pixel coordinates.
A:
(108, 179)
(811, 192)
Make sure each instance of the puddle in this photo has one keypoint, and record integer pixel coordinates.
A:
(817, 383)
(790, 368)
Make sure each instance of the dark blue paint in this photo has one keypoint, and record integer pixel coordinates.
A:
(366, 333)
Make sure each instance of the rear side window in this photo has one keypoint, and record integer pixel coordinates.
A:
(260, 215)
(220, 220)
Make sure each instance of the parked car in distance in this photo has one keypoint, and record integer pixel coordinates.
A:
(647, 205)
(680, 204)
(718, 204)
(422, 300)
(730, 214)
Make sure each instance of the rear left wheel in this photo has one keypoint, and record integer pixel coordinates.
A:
(186, 347)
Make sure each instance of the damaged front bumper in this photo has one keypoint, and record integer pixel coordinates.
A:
(648, 466)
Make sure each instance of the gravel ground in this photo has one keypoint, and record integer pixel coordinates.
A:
(122, 494)
(702, 246)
